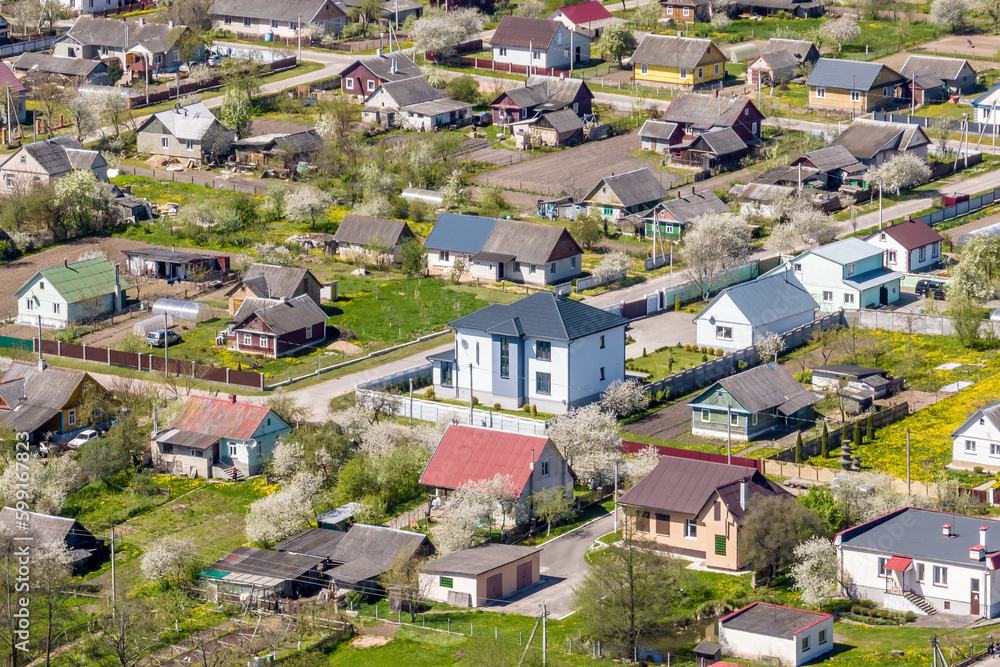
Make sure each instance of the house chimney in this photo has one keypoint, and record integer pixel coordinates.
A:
(378, 52)
(982, 537)
(118, 287)
(170, 24)
(232, 398)
(744, 492)
(65, 263)
(946, 530)
(531, 463)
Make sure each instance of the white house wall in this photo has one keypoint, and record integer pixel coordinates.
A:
(587, 358)
(430, 587)
(986, 439)
(556, 56)
(754, 647)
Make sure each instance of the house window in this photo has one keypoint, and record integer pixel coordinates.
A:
(246, 21)
(371, 85)
(670, 9)
(228, 20)
(247, 339)
(724, 333)
(850, 269)
(994, 449)
(572, 262)
(970, 445)
(232, 450)
(706, 415)
(798, 267)
(720, 545)
(821, 637)
(55, 308)
(517, 267)
(189, 144)
(881, 566)
(263, 341)
(935, 250)
(947, 605)
(734, 419)
(543, 383)
(504, 358)
(684, 73)
(274, 24)
(848, 298)
(602, 373)
(197, 453)
(644, 69)
(687, 11)
(543, 351)
(690, 529)
(821, 93)
(805, 643)
(716, 68)
(309, 332)
(753, 127)
(602, 342)
(71, 417)
(701, 72)
(642, 521)
(552, 267)
(753, 419)
(446, 373)
(446, 582)
(445, 256)
(9, 180)
(545, 468)
(293, 25)
(827, 297)
(668, 229)
(536, 55)
(663, 524)
(855, 96)
(502, 51)
(922, 254)
(885, 92)
(891, 257)
(920, 572)
(29, 304)
(164, 142)
(349, 84)
(940, 576)
(531, 268)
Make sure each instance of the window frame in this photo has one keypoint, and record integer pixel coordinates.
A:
(55, 308)
(642, 516)
(644, 68)
(447, 374)
(970, 446)
(940, 576)
(821, 93)
(706, 415)
(544, 467)
(545, 355)
(247, 339)
(446, 582)
(164, 142)
(665, 520)
(71, 417)
(349, 83)
(723, 332)
(543, 384)
(849, 298)
(690, 529)
(505, 358)
(602, 341)
(827, 296)
(855, 96)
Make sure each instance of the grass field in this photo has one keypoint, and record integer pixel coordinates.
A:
(945, 110)
(658, 365)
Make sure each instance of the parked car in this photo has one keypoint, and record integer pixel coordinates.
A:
(482, 119)
(213, 60)
(162, 337)
(184, 69)
(931, 289)
(83, 437)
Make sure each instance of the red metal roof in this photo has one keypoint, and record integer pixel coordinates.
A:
(7, 78)
(911, 235)
(220, 417)
(469, 454)
(584, 12)
(898, 564)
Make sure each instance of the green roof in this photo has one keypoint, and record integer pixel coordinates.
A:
(83, 280)
(214, 574)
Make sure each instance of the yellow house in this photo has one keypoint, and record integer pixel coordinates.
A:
(853, 85)
(678, 61)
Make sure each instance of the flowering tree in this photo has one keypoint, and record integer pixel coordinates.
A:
(978, 274)
(841, 31)
(588, 438)
(453, 193)
(639, 465)
(282, 514)
(439, 33)
(612, 265)
(235, 111)
(815, 570)
(286, 459)
(712, 243)
(473, 503)
(51, 481)
(624, 398)
(305, 204)
(166, 559)
(949, 13)
(903, 170)
(769, 347)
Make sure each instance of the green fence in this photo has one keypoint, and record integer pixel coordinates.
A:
(15, 343)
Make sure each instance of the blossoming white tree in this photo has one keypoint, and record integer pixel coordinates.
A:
(166, 559)
(588, 438)
(623, 398)
(841, 31)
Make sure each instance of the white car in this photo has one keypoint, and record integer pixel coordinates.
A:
(83, 437)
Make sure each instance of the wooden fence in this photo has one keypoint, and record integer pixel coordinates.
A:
(510, 68)
(821, 475)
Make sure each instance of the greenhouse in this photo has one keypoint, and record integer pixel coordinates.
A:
(742, 53)
(190, 311)
(155, 323)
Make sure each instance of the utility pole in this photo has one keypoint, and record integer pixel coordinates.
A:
(470, 394)
(114, 589)
(616, 496)
(411, 402)
(298, 32)
(166, 345)
(729, 434)
(545, 643)
(39, 336)
(907, 461)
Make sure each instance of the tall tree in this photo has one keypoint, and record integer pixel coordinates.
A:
(51, 96)
(772, 527)
(51, 575)
(841, 31)
(989, 9)
(617, 42)
(949, 13)
(712, 243)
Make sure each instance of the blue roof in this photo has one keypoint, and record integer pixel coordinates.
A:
(987, 98)
(456, 232)
(541, 315)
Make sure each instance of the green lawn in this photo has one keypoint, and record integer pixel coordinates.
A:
(945, 110)
(595, 511)
(658, 365)
(797, 94)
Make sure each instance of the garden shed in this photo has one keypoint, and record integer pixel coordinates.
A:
(190, 311)
(155, 323)
(742, 53)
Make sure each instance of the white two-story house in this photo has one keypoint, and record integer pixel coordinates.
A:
(909, 246)
(924, 561)
(848, 274)
(977, 440)
(530, 42)
(544, 350)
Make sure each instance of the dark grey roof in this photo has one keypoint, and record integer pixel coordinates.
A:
(50, 388)
(478, 560)
(156, 37)
(948, 69)
(873, 278)
(560, 92)
(771, 620)
(848, 369)
(45, 63)
(286, 10)
(830, 158)
(722, 141)
(158, 254)
(44, 528)
(801, 49)
(928, 81)
(687, 208)
(848, 74)
(767, 299)
(382, 66)
(637, 187)
(778, 60)
(456, 232)
(359, 230)
(266, 563)
(704, 112)
(280, 282)
(867, 138)
(414, 90)
(656, 129)
(53, 155)
(542, 315)
(339, 514)
(565, 120)
(318, 542)
(530, 243)
(287, 316)
(668, 51)
(763, 388)
(917, 533)
(369, 551)
(520, 32)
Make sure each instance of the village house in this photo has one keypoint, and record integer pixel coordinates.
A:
(768, 631)
(43, 162)
(673, 215)
(803, 50)
(538, 43)
(485, 6)
(910, 246)
(587, 18)
(71, 293)
(269, 281)
(544, 350)
(136, 44)
(419, 106)
(848, 274)
(44, 401)
(184, 132)
(853, 85)
(698, 114)
(925, 89)
(873, 142)
(252, 575)
(686, 11)
(752, 404)
(713, 151)
(800, 9)
(86, 551)
(924, 561)
(394, 12)
(218, 437)
(541, 94)
(829, 167)
(976, 442)
(257, 20)
(367, 73)
(557, 129)
(279, 329)
(18, 93)
(356, 232)
(66, 70)
(481, 575)
(955, 73)
(620, 195)
(658, 136)
(772, 69)
(269, 140)
(173, 265)
(519, 252)
(678, 61)
(694, 508)
(741, 315)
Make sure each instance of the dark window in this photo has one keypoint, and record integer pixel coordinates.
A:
(447, 582)
(718, 511)
(543, 351)
(446, 373)
(545, 468)
(602, 372)
(720, 545)
(642, 522)
(543, 383)
(602, 342)
(663, 524)
(477, 354)
(504, 358)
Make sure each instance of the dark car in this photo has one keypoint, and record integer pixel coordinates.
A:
(482, 119)
(931, 289)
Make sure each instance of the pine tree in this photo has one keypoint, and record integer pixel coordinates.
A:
(798, 447)
(857, 434)
(824, 443)
(871, 427)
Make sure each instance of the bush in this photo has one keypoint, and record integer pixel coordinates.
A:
(704, 357)
(711, 351)
(644, 352)
(497, 407)
(704, 350)
(475, 400)
(677, 304)
(534, 410)
(429, 394)
(526, 408)
(719, 352)
(679, 346)
(909, 617)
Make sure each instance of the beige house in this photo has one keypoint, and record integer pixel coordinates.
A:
(853, 85)
(44, 161)
(694, 508)
(481, 575)
(356, 232)
(185, 132)
(134, 43)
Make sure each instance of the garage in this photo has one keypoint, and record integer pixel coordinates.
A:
(481, 575)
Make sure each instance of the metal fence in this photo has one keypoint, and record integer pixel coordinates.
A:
(587, 282)
(814, 446)
(432, 411)
(974, 128)
(16, 343)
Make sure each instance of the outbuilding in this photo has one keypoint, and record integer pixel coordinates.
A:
(776, 634)
(481, 575)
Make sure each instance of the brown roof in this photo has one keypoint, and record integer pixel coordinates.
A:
(910, 235)
(287, 316)
(521, 32)
(670, 51)
(359, 230)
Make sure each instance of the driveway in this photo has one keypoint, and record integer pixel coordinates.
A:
(664, 328)
(563, 567)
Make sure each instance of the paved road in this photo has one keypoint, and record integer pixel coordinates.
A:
(562, 568)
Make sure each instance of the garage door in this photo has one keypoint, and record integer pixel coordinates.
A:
(523, 575)
(494, 587)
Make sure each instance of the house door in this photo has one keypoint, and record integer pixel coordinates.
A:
(499, 270)
(576, 56)
(523, 575)
(974, 600)
(494, 587)
(883, 295)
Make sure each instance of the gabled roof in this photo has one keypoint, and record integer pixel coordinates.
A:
(685, 485)
(763, 388)
(53, 155)
(277, 282)
(359, 230)
(155, 37)
(778, 60)
(766, 299)
(457, 232)
(370, 551)
(657, 129)
(80, 280)
(531, 243)
(721, 141)
(469, 454)
(36, 396)
(848, 74)
(990, 412)
(846, 251)
(7, 78)
(771, 620)
(287, 316)
(703, 112)
(849, 369)
(286, 10)
(989, 98)
(266, 563)
(45, 63)
(190, 122)
(405, 92)
(634, 188)
(564, 120)
(927, 81)
(520, 32)
(221, 418)
(585, 12)
(251, 305)
(801, 49)
(668, 51)
(44, 528)
(543, 315)
(478, 560)
(943, 68)
(829, 159)
(867, 138)
(911, 235)
(391, 66)
(685, 209)
(546, 92)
